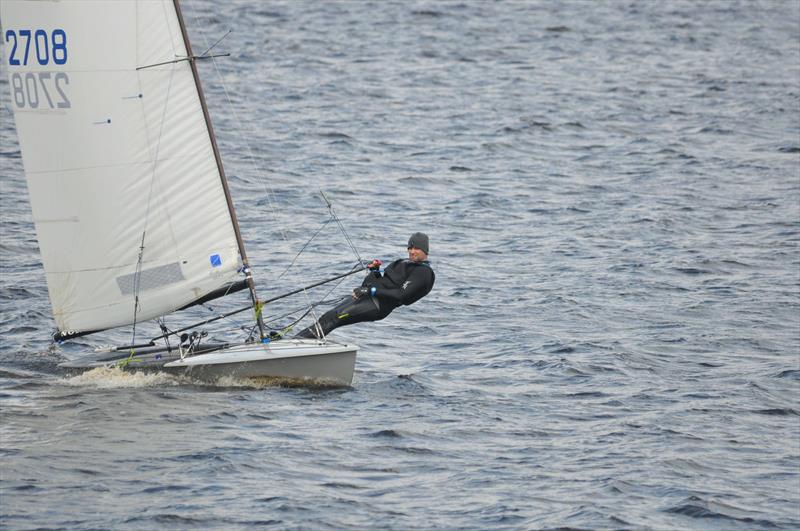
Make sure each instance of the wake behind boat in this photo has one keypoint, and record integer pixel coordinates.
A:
(133, 213)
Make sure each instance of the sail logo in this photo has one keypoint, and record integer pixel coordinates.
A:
(216, 260)
(38, 90)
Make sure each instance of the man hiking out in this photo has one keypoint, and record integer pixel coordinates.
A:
(402, 283)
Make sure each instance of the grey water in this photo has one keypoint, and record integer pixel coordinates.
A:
(612, 192)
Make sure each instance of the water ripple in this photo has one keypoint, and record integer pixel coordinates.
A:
(612, 196)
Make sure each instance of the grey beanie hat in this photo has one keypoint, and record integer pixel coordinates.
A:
(419, 240)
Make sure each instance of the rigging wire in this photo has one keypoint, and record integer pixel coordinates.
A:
(205, 53)
(269, 192)
(324, 224)
(341, 227)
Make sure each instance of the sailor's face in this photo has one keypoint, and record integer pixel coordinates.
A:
(416, 255)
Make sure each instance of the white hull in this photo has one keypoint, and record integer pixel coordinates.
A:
(294, 359)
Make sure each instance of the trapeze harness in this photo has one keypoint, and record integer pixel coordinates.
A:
(402, 283)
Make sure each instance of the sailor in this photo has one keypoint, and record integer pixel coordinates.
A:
(402, 283)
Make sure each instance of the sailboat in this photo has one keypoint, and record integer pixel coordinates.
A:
(132, 209)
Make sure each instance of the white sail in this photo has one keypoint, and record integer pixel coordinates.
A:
(126, 194)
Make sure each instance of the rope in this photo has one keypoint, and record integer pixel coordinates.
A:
(136, 279)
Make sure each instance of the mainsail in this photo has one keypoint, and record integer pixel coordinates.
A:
(128, 199)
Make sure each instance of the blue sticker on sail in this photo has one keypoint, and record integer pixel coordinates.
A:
(216, 261)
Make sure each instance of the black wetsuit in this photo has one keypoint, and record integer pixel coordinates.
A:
(403, 282)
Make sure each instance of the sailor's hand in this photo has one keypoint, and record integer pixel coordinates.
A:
(358, 292)
(375, 265)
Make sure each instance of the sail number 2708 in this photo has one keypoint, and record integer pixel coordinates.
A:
(52, 46)
(38, 90)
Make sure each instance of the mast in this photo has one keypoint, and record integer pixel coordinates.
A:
(223, 179)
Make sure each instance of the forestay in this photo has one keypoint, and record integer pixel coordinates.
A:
(126, 195)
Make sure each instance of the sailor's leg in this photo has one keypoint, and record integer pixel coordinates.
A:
(346, 313)
(327, 323)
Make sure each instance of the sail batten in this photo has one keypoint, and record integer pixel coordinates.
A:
(111, 153)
